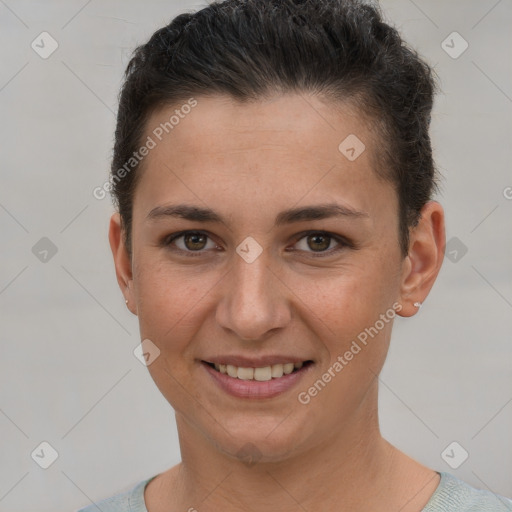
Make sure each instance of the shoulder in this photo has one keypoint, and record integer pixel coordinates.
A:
(131, 500)
(454, 495)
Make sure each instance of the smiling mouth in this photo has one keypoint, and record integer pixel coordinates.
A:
(262, 374)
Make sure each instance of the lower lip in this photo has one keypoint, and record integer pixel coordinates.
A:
(253, 388)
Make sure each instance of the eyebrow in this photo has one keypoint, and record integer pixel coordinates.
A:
(313, 212)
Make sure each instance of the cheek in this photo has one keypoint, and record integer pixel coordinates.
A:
(165, 301)
(356, 338)
(167, 307)
(346, 308)
(348, 300)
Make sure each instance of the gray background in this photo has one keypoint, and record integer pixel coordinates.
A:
(68, 375)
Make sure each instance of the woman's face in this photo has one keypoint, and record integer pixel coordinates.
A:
(268, 285)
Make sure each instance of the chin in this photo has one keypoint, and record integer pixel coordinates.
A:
(270, 440)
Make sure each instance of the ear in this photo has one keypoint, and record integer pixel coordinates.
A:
(122, 261)
(426, 253)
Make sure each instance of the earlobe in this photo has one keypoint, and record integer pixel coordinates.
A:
(122, 261)
(423, 263)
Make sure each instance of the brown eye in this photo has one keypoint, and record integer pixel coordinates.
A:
(195, 241)
(318, 243)
(189, 242)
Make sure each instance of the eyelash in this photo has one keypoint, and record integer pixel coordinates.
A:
(344, 243)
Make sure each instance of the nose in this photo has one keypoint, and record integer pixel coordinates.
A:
(254, 302)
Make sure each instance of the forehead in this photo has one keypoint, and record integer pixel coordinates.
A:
(282, 149)
(294, 121)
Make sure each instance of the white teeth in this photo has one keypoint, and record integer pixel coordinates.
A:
(265, 373)
(245, 373)
(277, 371)
(288, 368)
(232, 370)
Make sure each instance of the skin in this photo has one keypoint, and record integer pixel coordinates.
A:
(248, 162)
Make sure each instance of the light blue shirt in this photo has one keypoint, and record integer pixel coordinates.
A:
(451, 495)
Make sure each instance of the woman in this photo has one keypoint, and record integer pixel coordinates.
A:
(274, 179)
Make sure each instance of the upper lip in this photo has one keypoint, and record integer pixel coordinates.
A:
(255, 362)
